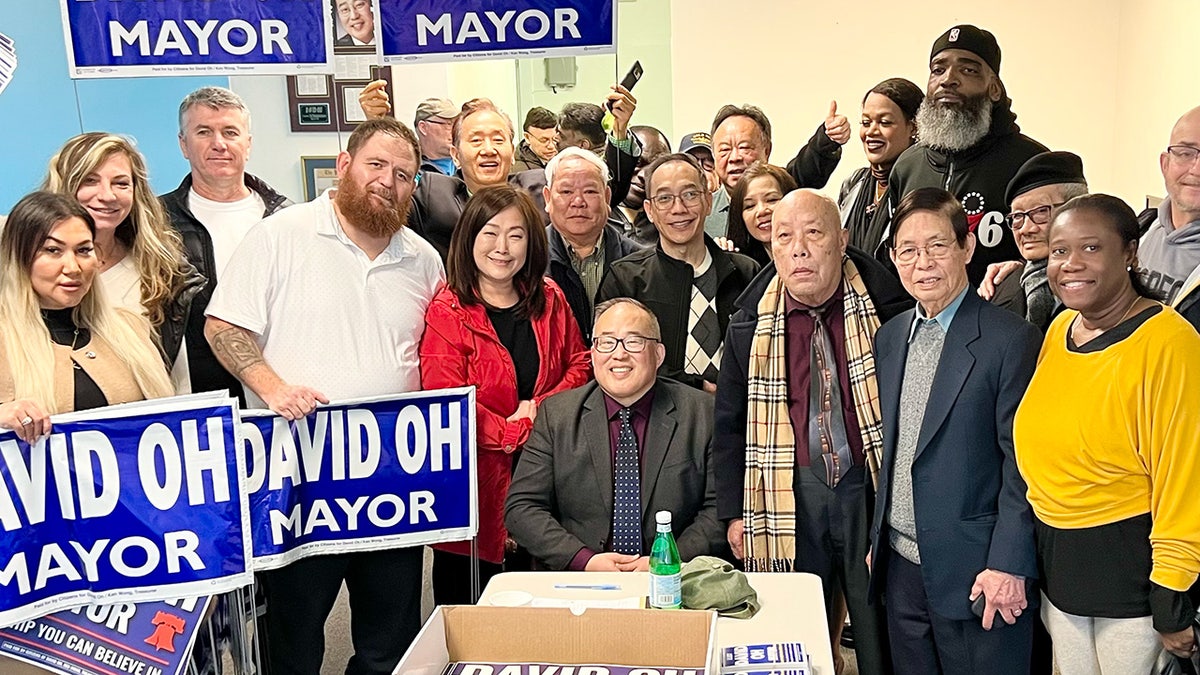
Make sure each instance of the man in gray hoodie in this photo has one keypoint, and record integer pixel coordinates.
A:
(1170, 249)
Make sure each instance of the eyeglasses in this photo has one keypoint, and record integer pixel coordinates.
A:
(665, 201)
(634, 344)
(1184, 154)
(934, 251)
(1039, 216)
(347, 10)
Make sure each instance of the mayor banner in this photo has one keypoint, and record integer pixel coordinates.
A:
(362, 476)
(417, 31)
(128, 503)
(119, 38)
(149, 638)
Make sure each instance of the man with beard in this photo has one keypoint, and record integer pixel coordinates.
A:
(654, 145)
(332, 294)
(970, 145)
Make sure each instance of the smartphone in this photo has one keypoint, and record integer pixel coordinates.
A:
(978, 604)
(631, 78)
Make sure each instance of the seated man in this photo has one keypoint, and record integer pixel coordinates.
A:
(574, 499)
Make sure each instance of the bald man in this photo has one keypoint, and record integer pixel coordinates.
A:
(1169, 251)
(816, 318)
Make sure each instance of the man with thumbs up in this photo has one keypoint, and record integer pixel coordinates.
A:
(741, 135)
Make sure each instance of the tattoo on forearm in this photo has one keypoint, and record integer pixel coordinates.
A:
(236, 350)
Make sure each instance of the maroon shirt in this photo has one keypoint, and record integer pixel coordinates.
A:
(639, 419)
(798, 333)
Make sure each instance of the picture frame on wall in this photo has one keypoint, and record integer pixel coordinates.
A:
(320, 174)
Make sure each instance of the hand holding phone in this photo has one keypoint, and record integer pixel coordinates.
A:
(631, 78)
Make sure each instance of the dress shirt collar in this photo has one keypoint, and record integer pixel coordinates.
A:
(943, 318)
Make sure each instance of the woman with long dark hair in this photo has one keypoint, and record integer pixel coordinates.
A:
(503, 326)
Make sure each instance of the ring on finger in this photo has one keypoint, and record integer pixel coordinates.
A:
(26, 421)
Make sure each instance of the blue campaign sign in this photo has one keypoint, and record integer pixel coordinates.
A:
(436, 30)
(118, 38)
(130, 503)
(149, 638)
(362, 475)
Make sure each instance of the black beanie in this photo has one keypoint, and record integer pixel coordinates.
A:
(969, 38)
(1046, 168)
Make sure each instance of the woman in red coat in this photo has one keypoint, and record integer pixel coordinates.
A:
(502, 326)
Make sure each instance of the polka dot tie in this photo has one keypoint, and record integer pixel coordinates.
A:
(627, 492)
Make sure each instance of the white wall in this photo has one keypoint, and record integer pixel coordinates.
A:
(1158, 78)
(1059, 63)
(1103, 78)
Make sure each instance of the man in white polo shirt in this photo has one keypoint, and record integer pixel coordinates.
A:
(326, 301)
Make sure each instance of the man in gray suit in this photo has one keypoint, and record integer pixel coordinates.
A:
(603, 458)
(951, 525)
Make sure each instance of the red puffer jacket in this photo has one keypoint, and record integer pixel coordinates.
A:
(460, 348)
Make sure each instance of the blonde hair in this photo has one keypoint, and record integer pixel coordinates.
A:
(23, 333)
(156, 248)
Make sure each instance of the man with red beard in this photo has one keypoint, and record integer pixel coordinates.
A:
(332, 294)
(970, 145)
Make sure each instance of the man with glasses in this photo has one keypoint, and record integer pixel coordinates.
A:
(686, 280)
(1169, 251)
(1044, 183)
(952, 526)
(576, 498)
(433, 122)
(796, 411)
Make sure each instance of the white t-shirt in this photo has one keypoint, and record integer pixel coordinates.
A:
(227, 222)
(326, 316)
(123, 288)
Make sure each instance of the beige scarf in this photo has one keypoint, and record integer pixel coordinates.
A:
(769, 504)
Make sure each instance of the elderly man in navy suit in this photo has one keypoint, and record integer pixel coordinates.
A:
(952, 536)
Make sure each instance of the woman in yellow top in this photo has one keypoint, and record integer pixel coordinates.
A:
(1107, 439)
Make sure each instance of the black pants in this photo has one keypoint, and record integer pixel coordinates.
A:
(385, 609)
(924, 643)
(832, 535)
(452, 578)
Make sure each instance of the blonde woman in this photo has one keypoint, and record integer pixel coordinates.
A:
(139, 256)
(63, 347)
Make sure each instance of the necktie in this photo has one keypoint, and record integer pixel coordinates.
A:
(627, 492)
(828, 449)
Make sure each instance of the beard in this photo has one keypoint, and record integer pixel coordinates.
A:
(355, 203)
(954, 128)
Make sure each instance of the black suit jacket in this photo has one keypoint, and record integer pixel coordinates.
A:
(561, 497)
(969, 498)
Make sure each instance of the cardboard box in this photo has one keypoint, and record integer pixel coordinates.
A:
(633, 637)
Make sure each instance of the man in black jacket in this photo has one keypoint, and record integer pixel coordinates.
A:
(584, 239)
(823, 526)
(686, 280)
(970, 146)
(741, 136)
(213, 208)
(483, 149)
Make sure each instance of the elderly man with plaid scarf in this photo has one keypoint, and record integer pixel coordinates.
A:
(798, 431)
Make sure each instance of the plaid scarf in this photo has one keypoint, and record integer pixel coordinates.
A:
(769, 505)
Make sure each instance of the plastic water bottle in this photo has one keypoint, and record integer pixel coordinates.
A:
(664, 566)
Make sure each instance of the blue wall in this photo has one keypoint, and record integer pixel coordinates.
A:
(42, 107)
